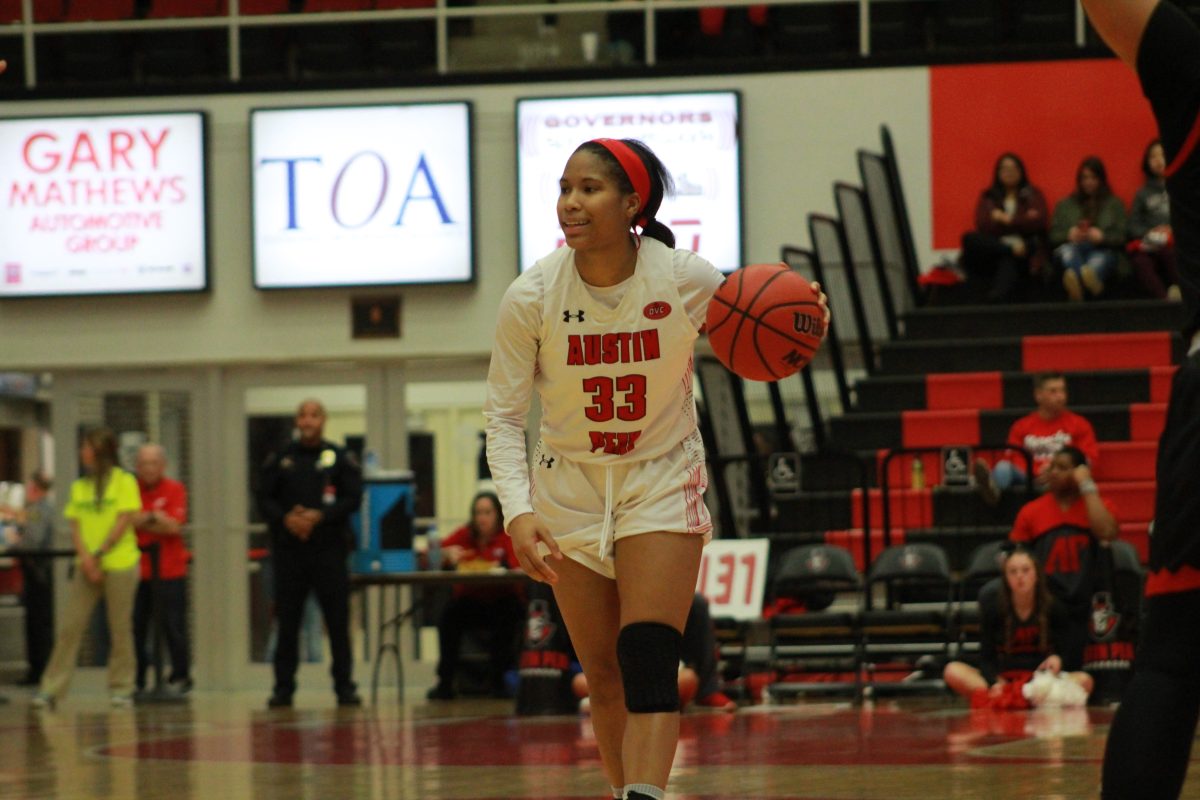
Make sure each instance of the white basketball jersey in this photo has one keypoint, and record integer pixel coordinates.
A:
(615, 383)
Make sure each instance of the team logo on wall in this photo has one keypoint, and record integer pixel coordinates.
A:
(540, 627)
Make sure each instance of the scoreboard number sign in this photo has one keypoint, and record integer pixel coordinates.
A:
(733, 577)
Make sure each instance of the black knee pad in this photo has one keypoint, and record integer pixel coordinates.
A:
(648, 653)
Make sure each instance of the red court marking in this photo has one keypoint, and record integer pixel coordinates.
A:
(937, 428)
(1160, 383)
(977, 112)
(844, 737)
(1083, 351)
(1146, 421)
(978, 390)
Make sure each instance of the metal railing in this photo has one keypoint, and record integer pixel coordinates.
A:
(233, 22)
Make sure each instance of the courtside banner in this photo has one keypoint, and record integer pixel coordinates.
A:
(733, 577)
(102, 205)
(362, 196)
(696, 135)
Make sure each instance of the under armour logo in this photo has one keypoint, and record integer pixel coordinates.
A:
(578, 315)
(546, 462)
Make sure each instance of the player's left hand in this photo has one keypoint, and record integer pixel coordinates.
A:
(824, 302)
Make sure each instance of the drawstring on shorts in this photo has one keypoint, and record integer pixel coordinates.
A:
(606, 528)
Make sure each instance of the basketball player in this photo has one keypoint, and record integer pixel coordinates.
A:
(1151, 737)
(603, 328)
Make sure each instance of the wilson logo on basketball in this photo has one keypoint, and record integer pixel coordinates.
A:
(656, 310)
(803, 323)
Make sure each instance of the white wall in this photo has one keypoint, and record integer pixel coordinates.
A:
(800, 133)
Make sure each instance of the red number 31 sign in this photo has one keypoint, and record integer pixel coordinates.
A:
(733, 575)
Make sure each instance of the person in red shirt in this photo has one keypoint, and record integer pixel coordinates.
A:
(164, 513)
(1063, 528)
(1042, 432)
(498, 610)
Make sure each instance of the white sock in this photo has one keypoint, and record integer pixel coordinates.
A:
(646, 789)
(618, 792)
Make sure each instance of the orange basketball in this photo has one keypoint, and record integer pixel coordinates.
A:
(764, 322)
(689, 682)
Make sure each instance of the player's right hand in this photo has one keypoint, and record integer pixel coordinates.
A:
(527, 531)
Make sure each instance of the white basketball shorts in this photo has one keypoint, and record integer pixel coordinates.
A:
(658, 494)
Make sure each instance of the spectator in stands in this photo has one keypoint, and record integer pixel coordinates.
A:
(100, 510)
(34, 530)
(698, 674)
(1063, 528)
(1151, 245)
(1009, 240)
(1042, 432)
(160, 526)
(1088, 231)
(481, 544)
(1022, 630)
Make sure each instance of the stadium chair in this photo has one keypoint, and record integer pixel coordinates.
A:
(10, 11)
(821, 641)
(983, 567)
(99, 10)
(166, 9)
(913, 624)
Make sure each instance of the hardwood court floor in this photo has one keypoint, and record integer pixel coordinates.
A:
(229, 747)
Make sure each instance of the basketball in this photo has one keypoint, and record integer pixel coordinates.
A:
(765, 322)
(689, 682)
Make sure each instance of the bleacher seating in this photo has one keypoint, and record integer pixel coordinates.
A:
(167, 9)
(99, 10)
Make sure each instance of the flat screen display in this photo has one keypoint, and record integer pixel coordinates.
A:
(695, 134)
(111, 204)
(362, 196)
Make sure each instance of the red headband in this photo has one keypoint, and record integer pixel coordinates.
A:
(634, 168)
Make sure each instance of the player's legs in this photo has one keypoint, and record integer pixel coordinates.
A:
(656, 579)
(589, 605)
(1150, 741)
(963, 679)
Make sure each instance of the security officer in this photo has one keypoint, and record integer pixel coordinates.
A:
(307, 493)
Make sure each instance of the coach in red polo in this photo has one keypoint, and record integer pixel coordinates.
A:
(164, 513)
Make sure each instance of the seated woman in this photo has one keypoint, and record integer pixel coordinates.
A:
(1088, 231)
(1021, 626)
(1151, 243)
(1009, 240)
(497, 610)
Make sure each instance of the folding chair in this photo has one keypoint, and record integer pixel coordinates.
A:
(914, 623)
(984, 565)
(815, 641)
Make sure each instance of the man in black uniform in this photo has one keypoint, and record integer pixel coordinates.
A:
(1150, 742)
(308, 491)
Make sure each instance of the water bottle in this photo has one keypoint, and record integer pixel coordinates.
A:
(435, 549)
(918, 474)
(371, 463)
